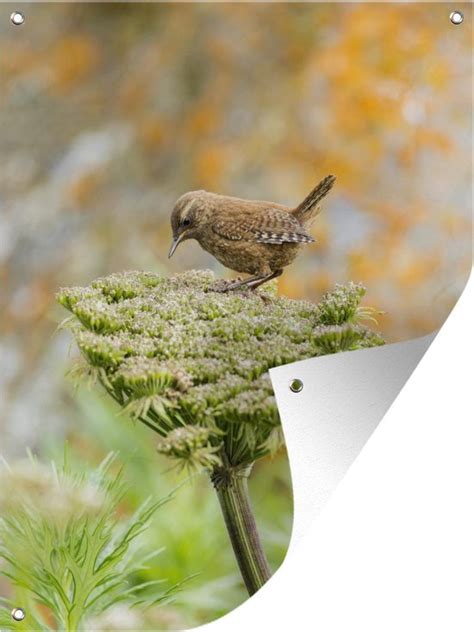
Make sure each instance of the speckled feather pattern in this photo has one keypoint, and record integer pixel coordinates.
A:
(250, 236)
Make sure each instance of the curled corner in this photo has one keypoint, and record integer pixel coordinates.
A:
(328, 421)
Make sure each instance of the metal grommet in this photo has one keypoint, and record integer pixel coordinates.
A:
(18, 614)
(296, 385)
(456, 17)
(17, 18)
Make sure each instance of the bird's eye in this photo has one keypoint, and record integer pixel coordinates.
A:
(186, 221)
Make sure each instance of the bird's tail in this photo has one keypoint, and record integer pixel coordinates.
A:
(306, 212)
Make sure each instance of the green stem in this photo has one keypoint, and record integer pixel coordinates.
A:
(232, 491)
(71, 624)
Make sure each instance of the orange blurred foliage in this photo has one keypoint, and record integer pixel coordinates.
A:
(72, 59)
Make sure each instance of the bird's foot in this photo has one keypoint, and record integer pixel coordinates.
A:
(223, 285)
(250, 284)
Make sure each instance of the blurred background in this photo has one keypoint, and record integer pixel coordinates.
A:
(110, 112)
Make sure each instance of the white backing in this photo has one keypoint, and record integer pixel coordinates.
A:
(393, 548)
(344, 397)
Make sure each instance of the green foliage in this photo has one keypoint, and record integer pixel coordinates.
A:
(191, 528)
(175, 353)
(66, 551)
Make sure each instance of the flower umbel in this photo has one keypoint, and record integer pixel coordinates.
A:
(192, 364)
(177, 355)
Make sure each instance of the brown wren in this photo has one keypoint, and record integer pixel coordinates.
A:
(251, 236)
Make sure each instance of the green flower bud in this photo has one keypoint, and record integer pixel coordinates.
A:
(335, 338)
(340, 305)
(191, 446)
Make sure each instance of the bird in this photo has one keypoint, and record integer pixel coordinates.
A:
(248, 236)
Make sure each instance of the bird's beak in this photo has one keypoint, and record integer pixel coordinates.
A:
(174, 245)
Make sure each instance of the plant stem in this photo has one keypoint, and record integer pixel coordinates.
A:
(232, 491)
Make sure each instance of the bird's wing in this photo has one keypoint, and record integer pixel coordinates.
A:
(271, 226)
